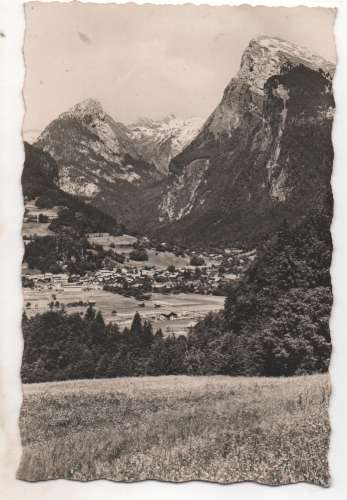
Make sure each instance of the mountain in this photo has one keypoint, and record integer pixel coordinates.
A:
(263, 155)
(158, 141)
(93, 151)
(39, 181)
(40, 172)
(119, 169)
(31, 135)
(276, 318)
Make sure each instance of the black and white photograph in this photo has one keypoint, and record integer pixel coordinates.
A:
(176, 243)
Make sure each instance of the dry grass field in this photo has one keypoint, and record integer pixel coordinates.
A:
(177, 428)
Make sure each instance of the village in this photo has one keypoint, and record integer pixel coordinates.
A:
(171, 286)
(138, 279)
(172, 291)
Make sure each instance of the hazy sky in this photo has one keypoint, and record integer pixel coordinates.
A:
(149, 60)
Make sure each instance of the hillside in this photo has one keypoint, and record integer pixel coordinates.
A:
(40, 178)
(276, 320)
(93, 150)
(117, 168)
(263, 155)
(177, 428)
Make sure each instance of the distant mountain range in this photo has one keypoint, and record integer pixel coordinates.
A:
(263, 155)
(158, 141)
(92, 149)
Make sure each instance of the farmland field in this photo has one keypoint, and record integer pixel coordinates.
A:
(188, 306)
(35, 229)
(177, 428)
(124, 245)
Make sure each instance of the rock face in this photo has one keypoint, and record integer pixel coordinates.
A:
(263, 155)
(119, 169)
(92, 150)
(158, 141)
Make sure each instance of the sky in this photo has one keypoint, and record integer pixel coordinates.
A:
(151, 60)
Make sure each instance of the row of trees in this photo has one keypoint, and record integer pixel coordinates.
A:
(58, 346)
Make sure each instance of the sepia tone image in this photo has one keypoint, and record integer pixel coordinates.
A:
(177, 247)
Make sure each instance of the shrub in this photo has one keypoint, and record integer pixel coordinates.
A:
(197, 260)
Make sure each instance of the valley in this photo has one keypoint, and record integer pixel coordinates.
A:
(172, 313)
(177, 248)
(169, 292)
(175, 218)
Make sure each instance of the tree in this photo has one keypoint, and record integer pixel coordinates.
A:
(103, 366)
(136, 330)
(90, 313)
(100, 319)
(147, 335)
(85, 366)
(43, 218)
(197, 260)
(139, 254)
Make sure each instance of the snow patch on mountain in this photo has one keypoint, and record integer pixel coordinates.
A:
(160, 140)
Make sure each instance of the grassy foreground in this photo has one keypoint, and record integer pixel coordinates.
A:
(177, 428)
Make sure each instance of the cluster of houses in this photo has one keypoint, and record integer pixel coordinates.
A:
(205, 279)
(131, 277)
(36, 217)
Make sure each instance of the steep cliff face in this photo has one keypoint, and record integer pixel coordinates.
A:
(119, 169)
(92, 150)
(264, 154)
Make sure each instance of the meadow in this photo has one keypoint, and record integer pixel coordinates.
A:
(124, 245)
(187, 306)
(177, 428)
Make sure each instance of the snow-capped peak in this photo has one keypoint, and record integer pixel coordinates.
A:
(160, 140)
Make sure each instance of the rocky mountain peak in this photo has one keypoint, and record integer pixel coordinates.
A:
(144, 121)
(258, 155)
(87, 108)
(268, 56)
(168, 118)
(158, 141)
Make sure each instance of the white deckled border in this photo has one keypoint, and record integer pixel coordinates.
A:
(11, 248)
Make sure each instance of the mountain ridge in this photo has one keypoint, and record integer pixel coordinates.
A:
(241, 171)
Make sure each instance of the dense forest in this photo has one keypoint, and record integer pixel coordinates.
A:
(275, 323)
(61, 253)
(60, 346)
